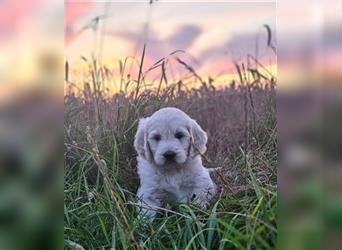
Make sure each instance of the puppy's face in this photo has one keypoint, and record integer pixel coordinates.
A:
(169, 137)
(169, 143)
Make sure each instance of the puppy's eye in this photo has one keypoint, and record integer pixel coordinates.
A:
(156, 137)
(179, 135)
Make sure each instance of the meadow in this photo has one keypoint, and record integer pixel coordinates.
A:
(100, 161)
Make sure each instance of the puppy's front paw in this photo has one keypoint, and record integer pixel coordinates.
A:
(202, 197)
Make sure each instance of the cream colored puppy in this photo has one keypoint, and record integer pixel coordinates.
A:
(169, 145)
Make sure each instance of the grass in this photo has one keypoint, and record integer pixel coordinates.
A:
(100, 164)
(243, 221)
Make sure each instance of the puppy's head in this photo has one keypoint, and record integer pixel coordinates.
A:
(169, 137)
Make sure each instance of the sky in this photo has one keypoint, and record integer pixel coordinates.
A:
(36, 30)
(213, 34)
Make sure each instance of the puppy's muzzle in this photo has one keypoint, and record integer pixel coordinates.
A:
(169, 155)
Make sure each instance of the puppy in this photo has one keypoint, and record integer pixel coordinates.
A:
(169, 145)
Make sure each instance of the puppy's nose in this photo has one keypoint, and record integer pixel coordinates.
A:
(169, 155)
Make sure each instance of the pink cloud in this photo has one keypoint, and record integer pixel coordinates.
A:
(14, 15)
(181, 39)
(72, 12)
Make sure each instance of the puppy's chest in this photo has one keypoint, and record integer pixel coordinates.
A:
(177, 184)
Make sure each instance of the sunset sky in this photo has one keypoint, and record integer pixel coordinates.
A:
(217, 32)
(213, 34)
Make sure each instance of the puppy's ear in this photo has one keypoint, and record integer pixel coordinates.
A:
(140, 141)
(199, 138)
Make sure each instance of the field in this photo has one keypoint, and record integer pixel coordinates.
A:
(100, 164)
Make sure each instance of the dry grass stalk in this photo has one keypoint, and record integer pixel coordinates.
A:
(97, 159)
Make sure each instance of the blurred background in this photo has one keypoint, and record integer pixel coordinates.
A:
(309, 124)
(32, 57)
(31, 124)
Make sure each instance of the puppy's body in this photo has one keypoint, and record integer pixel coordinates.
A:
(169, 144)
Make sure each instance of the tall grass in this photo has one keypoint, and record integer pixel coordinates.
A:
(100, 165)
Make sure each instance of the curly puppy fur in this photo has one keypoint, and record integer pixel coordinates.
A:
(169, 145)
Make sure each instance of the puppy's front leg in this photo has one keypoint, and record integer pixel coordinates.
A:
(147, 204)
